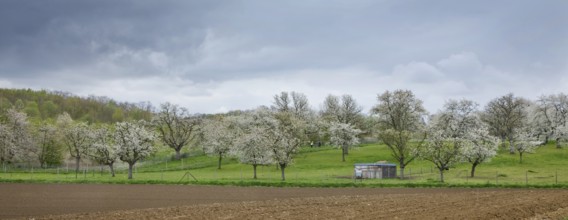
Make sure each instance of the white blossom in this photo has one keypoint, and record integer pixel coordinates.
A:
(525, 142)
(16, 140)
(481, 148)
(252, 144)
(76, 136)
(219, 136)
(443, 151)
(343, 136)
(134, 142)
(549, 116)
(286, 138)
(104, 150)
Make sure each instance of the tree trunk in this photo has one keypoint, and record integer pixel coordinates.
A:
(178, 154)
(130, 165)
(77, 161)
(473, 169)
(401, 171)
(521, 157)
(342, 154)
(511, 147)
(346, 151)
(282, 167)
(111, 167)
(558, 146)
(220, 158)
(254, 169)
(441, 175)
(503, 141)
(546, 137)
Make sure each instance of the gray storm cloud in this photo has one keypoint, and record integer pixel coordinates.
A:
(215, 56)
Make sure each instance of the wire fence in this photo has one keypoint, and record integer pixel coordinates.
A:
(167, 170)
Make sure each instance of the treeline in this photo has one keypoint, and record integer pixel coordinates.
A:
(460, 132)
(47, 105)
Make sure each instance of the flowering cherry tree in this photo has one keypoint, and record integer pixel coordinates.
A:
(343, 136)
(16, 140)
(77, 136)
(134, 142)
(443, 151)
(104, 149)
(7, 147)
(461, 123)
(251, 145)
(219, 136)
(525, 142)
(481, 148)
(287, 133)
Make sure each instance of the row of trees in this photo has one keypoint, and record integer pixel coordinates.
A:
(266, 135)
(460, 132)
(105, 144)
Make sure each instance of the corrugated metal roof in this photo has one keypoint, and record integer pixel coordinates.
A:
(376, 164)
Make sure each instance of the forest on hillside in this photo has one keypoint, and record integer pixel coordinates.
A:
(47, 105)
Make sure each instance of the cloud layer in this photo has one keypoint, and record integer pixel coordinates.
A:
(214, 56)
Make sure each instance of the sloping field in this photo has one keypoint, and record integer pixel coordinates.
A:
(215, 202)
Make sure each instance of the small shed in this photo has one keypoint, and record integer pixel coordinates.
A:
(375, 170)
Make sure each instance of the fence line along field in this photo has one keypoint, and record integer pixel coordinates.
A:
(87, 201)
(318, 166)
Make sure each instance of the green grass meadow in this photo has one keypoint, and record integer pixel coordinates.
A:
(315, 167)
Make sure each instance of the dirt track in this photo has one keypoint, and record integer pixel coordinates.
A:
(212, 202)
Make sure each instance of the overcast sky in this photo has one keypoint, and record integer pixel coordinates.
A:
(214, 56)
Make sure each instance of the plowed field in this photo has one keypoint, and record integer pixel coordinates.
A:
(84, 201)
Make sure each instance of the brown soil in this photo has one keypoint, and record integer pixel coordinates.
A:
(216, 202)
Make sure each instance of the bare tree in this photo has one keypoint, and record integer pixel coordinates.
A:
(505, 115)
(293, 102)
(176, 127)
(400, 117)
(134, 142)
(344, 136)
(331, 109)
(282, 102)
(342, 109)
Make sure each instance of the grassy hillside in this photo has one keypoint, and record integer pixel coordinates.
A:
(548, 167)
